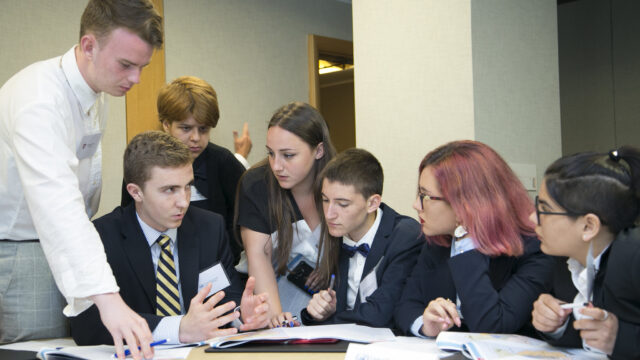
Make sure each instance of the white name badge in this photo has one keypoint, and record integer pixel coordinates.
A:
(88, 145)
(369, 284)
(214, 275)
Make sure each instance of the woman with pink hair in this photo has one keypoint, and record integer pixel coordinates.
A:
(481, 268)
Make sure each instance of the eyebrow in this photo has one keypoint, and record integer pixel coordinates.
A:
(280, 150)
(128, 62)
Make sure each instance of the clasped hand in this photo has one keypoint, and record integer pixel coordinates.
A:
(440, 315)
(599, 331)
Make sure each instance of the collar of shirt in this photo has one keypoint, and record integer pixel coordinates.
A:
(152, 234)
(368, 237)
(357, 262)
(83, 92)
(460, 246)
(579, 276)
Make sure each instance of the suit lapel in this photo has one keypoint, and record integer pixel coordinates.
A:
(138, 254)
(188, 257)
(380, 242)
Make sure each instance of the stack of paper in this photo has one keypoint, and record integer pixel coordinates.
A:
(348, 332)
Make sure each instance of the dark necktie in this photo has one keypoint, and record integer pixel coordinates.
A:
(167, 296)
(351, 250)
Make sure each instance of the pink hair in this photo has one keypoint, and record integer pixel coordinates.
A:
(485, 195)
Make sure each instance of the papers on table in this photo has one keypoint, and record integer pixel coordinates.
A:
(348, 332)
(405, 348)
(507, 346)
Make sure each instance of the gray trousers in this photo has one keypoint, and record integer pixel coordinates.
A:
(30, 303)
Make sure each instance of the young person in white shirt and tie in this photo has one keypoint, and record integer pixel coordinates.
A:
(368, 247)
(52, 116)
(168, 257)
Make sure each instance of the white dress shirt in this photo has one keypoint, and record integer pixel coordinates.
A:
(356, 262)
(51, 123)
(581, 283)
(169, 326)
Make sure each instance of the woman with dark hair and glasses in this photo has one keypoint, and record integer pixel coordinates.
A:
(481, 268)
(586, 210)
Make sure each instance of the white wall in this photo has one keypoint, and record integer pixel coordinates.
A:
(515, 80)
(413, 85)
(253, 52)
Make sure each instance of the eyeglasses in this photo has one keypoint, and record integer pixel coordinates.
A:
(428, 197)
(538, 212)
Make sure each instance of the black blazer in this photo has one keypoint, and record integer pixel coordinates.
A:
(222, 174)
(616, 289)
(395, 248)
(201, 243)
(497, 294)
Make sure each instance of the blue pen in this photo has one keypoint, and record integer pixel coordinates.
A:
(333, 280)
(128, 352)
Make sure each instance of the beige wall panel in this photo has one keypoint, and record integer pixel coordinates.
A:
(516, 81)
(413, 85)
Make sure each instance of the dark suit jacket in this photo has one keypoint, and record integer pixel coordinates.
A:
(223, 171)
(616, 289)
(201, 244)
(497, 294)
(394, 250)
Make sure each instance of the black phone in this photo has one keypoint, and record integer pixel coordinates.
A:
(298, 276)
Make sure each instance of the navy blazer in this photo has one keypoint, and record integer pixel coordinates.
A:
(394, 251)
(616, 289)
(202, 243)
(497, 294)
(223, 173)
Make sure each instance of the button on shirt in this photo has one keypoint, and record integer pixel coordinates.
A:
(169, 326)
(356, 262)
(51, 123)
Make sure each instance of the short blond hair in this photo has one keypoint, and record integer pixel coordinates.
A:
(188, 96)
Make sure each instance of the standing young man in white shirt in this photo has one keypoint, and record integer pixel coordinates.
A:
(52, 116)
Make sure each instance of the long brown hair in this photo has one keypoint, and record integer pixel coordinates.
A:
(304, 121)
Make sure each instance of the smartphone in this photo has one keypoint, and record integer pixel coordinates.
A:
(298, 276)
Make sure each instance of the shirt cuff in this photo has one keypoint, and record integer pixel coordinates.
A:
(168, 328)
(242, 160)
(417, 326)
(555, 335)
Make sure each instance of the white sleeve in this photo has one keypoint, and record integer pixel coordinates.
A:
(416, 326)
(242, 160)
(42, 141)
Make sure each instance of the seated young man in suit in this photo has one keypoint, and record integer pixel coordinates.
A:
(167, 257)
(369, 247)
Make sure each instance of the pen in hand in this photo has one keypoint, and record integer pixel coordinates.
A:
(128, 352)
(333, 281)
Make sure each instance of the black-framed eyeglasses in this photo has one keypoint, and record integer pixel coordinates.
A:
(428, 197)
(538, 212)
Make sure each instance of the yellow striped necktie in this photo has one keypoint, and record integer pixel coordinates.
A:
(167, 296)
